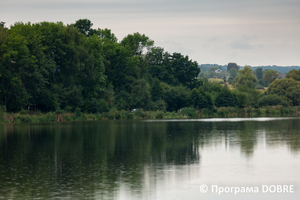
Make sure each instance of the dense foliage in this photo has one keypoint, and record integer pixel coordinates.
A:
(56, 66)
(75, 68)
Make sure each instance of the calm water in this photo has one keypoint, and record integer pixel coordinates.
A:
(150, 159)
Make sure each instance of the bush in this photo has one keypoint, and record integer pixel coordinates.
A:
(103, 106)
(130, 116)
(140, 113)
(59, 111)
(259, 87)
(270, 100)
(50, 117)
(257, 112)
(23, 112)
(191, 112)
(226, 99)
(68, 109)
(22, 119)
(159, 115)
(77, 112)
(118, 116)
(207, 112)
(160, 105)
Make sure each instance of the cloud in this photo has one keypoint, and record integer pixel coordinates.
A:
(240, 45)
(208, 31)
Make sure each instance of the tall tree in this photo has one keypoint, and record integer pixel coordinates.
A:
(232, 65)
(270, 75)
(233, 73)
(137, 43)
(259, 73)
(288, 88)
(246, 78)
(226, 98)
(140, 95)
(295, 74)
(156, 90)
(15, 60)
(185, 70)
(85, 27)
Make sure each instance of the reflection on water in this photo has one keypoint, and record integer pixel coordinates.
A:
(141, 160)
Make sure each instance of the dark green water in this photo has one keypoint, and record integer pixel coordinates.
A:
(149, 159)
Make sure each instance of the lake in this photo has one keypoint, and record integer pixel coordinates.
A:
(234, 158)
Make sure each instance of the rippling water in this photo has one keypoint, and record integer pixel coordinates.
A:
(151, 159)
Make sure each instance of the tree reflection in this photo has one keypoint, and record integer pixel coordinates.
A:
(92, 159)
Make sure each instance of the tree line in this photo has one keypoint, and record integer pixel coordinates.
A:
(66, 67)
(57, 66)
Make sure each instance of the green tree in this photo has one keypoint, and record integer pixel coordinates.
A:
(85, 27)
(259, 73)
(232, 66)
(158, 65)
(15, 62)
(195, 97)
(177, 97)
(233, 73)
(121, 68)
(246, 78)
(288, 88)
(137, 43)
(226, 98)
(156, 90)
(185, 71)
(106, 34)
(295, 74)
(270, 100)
(242, 98)
(140, 95)
(270, 75)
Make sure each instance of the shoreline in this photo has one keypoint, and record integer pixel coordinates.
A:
(184, 113)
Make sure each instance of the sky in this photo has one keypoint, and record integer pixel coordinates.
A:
(256, 32)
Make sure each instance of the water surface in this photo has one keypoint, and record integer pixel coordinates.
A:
(151, 159)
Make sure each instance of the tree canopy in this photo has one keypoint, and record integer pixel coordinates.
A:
(246, 78)
(57, 66)
(294, 74)
(270, 75)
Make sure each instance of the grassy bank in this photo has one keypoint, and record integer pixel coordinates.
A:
(113, 114)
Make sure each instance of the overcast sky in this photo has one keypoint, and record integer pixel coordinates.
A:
(252, 32)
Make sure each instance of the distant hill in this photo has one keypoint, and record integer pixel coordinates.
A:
(281, 69)
(205, 67)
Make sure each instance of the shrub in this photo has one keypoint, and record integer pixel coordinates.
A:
(259, 87)
(160, 105)
(68, 109)
(140, 113)
(159, 115)
(77, 112)
(118, 116)
(207, 112)
(191, 112)
(270, 100)
(226, 99)
(50, 117)
(23, 112)
(130, 116)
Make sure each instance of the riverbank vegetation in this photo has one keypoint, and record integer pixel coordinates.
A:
(56, 72)
(184, 113)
